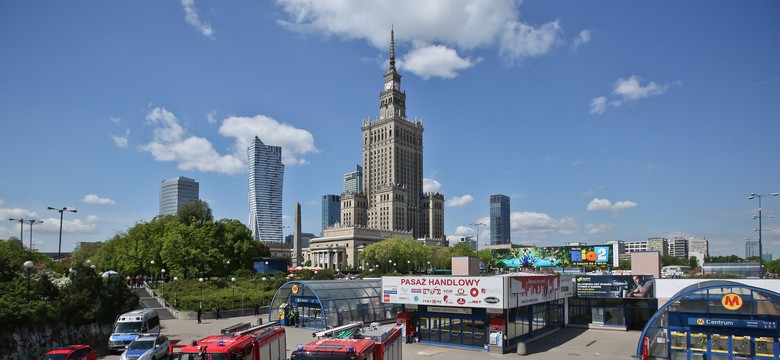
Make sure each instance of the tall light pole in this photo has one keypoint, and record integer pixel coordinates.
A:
(760, 249)
(61, 211)
(478, 225)
(233, 306)
(21, 229)
(175, 278)
(200, 306)
(28, 265)
(162, 286)
(33, 222)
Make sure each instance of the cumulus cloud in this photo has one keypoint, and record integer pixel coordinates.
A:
(212, 117)
(540, 224)
(430, 185)
(121, 141)
(628, 90)
(447, 26)
(72, 226)
(192, 17)
(115, 120)
(295, 142)
(604, 205)
(459, 201)
(598, 228)
(581, 39)
(94, 199)
(15, 213)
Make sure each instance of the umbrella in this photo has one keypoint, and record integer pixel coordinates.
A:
(110, 273)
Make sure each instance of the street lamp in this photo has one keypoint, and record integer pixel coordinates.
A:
(175, 278)
(151, 270)
(162, 286)
(478, 225)
(200, 306)
(21, 229)
(760, 249)
(61, 211)
(233, 306)
(32, 222)
(28, 266)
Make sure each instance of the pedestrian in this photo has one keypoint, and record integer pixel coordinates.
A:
(199, 313)
(218, 317)
(257, 309)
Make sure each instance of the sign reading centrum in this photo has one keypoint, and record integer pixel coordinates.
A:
(472, 291)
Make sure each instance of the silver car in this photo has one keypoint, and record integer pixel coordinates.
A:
(147, 347)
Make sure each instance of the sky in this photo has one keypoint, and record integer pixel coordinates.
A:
(606, 120)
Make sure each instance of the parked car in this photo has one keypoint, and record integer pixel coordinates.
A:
(147, 347)
(71, 352)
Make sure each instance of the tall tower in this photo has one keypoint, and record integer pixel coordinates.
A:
(393, 160)
(177, 192)
(331, 210)
(266, 177)
(353, 182)
(499, 220)
(297, 245)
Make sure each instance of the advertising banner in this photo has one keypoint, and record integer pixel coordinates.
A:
(533, 289)
(616, 286)
(472, 291)
(559, 256)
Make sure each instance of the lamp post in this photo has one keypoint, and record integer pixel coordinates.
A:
(760, 249)
(33, 222)
(200, 306)
(61, 211)
(233, 306)
(175, 278)
(152, 275)
(21, 229)
(478, 225)
(162, 286)
(28, 266)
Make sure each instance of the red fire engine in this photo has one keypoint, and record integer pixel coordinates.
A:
(264, 342)
(350, 342)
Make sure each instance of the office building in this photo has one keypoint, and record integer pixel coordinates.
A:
(751, 249)
(679, 247)
(636, 246)
(353, 182)
(331, 211)
(499, 220)
(266, 177)
(176, 192)
(698, 247)
(659, 244)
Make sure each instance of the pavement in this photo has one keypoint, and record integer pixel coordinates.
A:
(569, 343)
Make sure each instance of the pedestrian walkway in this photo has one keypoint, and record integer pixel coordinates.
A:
(148, 301)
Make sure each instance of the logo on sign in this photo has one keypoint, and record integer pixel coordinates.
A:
(700, 321)
(731, 301)
(461, 301)
(491, 300)
(474, 292)
(295, 289)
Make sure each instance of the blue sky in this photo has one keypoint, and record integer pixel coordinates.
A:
(601, 120)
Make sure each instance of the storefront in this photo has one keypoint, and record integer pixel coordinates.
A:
(622, 302)
(715, 319)
(493, 313)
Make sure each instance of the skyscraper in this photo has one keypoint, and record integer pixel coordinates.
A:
(176, 192)
(266, 177)
(331, 210)
(353, 182)
(751, 249)
(499, 220)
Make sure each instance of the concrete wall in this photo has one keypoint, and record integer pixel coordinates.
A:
(32, 341)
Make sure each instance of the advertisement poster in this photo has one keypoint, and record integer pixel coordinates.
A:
(616, 286)
(534, 289)
(559, 256)
(484, 292)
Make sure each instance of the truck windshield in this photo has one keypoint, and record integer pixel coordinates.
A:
(197, 356)
(128, 327)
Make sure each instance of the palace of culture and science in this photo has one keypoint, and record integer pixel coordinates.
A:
(392, 203)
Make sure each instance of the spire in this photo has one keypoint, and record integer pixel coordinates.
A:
(392, 48)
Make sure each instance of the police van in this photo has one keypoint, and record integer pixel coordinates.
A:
(130, 325)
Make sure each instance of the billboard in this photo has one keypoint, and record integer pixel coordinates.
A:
(456, 291)
(534, 289)
(615, 286)
(557, 256)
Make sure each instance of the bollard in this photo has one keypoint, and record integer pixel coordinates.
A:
(521, 349)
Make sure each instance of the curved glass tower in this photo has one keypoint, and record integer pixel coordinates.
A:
(266, 177)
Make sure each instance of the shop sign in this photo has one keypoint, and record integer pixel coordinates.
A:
(731, 301)
(456, 291)
(615, 286)
(534, 289)
(449, 310)
(734, 323)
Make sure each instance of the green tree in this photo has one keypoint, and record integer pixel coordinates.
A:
(462, 249)
(197, 211)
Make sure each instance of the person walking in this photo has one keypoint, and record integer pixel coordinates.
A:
(217, 308)
(199, 313)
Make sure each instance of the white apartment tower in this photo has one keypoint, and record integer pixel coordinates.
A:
(266, 177)
(177, 192)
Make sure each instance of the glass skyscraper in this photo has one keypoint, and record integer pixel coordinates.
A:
(266, 177)
(331, 210)
(499, 220)
(353, 182)
(176, 192)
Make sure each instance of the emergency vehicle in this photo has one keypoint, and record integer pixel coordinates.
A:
(263, 342)
(352, 342)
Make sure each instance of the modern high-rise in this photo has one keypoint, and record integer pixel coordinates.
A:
(331, 210)
(353, 182)
(499, 220)
(679, 247)
(659, 244)
(751, 249)
(266, 176)
(698, 247)
(176, 192)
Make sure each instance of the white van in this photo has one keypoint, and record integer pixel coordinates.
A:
(130, 325)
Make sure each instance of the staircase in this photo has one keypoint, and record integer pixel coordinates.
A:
(150, 302)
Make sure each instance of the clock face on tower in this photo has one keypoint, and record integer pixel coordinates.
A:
(388, 86)
(396, 85)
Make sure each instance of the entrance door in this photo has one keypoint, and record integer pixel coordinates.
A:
(709, 346)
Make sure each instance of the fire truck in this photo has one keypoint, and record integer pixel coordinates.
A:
(353, 342)
(240, 341)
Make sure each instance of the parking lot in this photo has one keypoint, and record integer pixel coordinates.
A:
(571, 343)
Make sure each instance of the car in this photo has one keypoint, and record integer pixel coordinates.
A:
(71, 352)
(147, 347)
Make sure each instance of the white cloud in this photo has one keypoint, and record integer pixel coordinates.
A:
(295, 142)
(628, 90)
(191, 15)
(430, 185)
(192, 153)
(581, 39)
(598, 228)
(15, 213)
(115, 120)
(464, 231)
(604, 205)
(540, 224)
(598, 105)
(459, 201)
(462, 25)
(94, 199)
(435, 61)
(121, 141)
(211, 117)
